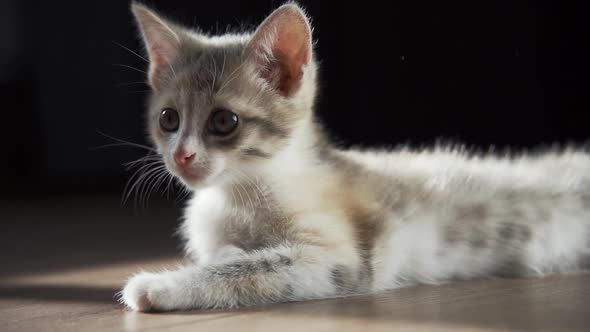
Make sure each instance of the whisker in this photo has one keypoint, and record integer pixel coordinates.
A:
(241, 197)
(232, 76)
(129, 67)
(255, 185)
(119, 144)
(148, 165)
(132, 182)
(246, 191)
(248, 196)
(147, 178)
(137, 180)
(214, 74)
(130, 51)
(171, 68)
(185, 193)
(144, 159)
(233, 196)
(150, 185)
(157, 182)
(169, 185)
(223, 64)
(124, 142)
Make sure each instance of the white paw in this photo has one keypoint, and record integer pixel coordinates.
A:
(149, 292)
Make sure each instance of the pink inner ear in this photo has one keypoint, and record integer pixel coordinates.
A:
(161, 43)
(292, 52)
(289, 36)
(161, 54)
(162, 49)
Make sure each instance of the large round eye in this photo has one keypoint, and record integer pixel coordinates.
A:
(223, 122)
(169, 120)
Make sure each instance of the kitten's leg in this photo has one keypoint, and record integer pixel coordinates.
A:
(267, 276)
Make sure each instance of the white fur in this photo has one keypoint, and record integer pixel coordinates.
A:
(415, 252)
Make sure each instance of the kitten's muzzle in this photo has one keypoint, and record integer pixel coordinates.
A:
(186, 167)
(183, 158)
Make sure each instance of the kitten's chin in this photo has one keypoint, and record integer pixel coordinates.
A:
(195, 181)
(191, 180)
(198, 177)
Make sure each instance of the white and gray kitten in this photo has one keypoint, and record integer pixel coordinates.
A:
(280, 214)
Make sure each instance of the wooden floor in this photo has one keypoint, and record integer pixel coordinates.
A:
(63, 260)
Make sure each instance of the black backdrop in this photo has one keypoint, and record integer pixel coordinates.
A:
(503, 73)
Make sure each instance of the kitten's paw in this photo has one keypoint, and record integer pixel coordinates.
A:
(149, 292)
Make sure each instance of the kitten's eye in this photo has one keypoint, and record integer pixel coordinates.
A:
(223, 122)
(169, 120)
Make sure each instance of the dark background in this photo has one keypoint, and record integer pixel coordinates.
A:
(506, 74)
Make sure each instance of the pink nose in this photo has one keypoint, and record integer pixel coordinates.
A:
(182, 157)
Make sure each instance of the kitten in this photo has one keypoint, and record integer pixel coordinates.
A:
(280, 214)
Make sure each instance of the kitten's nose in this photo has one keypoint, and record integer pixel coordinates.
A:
(182, 157)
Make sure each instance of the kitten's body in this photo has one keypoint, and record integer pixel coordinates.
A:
(283, 215)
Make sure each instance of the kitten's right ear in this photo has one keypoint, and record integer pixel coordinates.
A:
(161, 42)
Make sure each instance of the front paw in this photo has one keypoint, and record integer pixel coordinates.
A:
(149, 292)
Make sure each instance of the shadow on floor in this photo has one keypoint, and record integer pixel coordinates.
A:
(81, 294)
(74, 232)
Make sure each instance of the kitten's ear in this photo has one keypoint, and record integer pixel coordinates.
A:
(282, 46)
(161, 42)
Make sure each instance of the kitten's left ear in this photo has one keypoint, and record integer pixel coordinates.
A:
(161, 42)
(281, 47)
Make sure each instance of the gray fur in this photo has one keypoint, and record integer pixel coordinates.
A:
(343, 280)
(285, 260)
(254, 152)
(509, 231)
(452, 235)
(267, 126)
(511, 268)
(288, 292)
(474, 213)
(272, 227)
(585, 198)
(243, 282)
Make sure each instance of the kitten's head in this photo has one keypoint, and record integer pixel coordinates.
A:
(221, 104)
